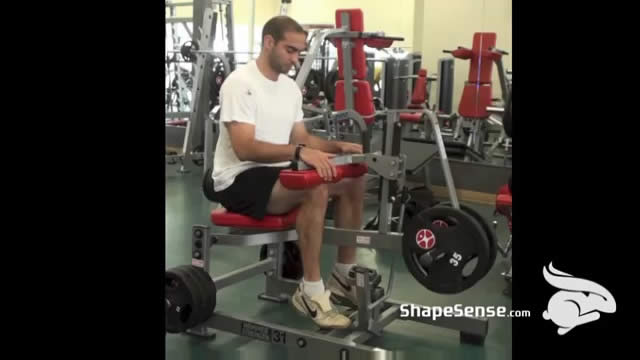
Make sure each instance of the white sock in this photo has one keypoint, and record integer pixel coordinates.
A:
(343, 269)
(313, 288)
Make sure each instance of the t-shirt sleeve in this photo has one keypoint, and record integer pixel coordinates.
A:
(237, 103)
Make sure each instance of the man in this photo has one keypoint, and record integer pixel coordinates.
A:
(261, 132)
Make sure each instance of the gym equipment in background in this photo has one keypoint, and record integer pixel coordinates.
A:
(470, 122)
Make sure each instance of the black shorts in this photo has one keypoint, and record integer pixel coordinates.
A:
(250, 192)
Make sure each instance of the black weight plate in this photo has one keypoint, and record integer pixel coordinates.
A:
(209, 291)
(291, 261)
(491, 235)
(185, 51)
(374, 277)
(330, 85)
(198, 294)
(451, 248)
(292, 266)
(177, 295)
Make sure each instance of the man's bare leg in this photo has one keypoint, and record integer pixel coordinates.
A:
(310, 226)
(311, 298)
(312, 205)
(310, 222)
(348, 213)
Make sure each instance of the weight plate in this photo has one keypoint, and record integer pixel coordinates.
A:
(491, 235)
(179, 300)
(197, 290)
(292, 267)
(210, 291)
(374, 277)
(291, 260)
(185, 51)
(441, 258)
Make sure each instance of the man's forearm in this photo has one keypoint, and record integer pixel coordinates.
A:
(264, 152)
(321, 144)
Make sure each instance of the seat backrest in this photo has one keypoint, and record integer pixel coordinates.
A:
(358, 56)
(362, 97)
(475, 100)
(419, 95)
(481, 61)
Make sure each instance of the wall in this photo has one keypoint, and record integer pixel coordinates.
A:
(396, 20)
(452, 23)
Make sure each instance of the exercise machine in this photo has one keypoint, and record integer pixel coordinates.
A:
(471, 121)
(446, 248)
(504, 201)
(210, 69)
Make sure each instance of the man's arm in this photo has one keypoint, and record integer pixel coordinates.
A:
(300, 135)
(247, 148)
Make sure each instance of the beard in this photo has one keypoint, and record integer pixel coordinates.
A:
(277, 66)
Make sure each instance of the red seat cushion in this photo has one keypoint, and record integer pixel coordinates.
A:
(474, 102)
(503, 200)
(481, 64)
(504, 190)
(419, 95)
(379, 43)
(221, 217)
(358, 57)
(304, 179)
(411, 117)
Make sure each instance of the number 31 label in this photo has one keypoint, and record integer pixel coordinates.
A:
(278, 337)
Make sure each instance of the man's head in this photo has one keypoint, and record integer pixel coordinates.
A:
(282, 41)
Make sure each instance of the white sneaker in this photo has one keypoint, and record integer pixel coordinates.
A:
(319, 309)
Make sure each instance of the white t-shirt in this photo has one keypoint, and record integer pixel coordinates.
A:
(272, 106)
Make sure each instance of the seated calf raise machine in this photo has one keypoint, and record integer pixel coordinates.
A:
(439, 245)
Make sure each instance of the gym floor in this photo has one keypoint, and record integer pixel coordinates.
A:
(186, 206)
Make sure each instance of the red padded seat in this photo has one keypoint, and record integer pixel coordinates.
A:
(221, 217)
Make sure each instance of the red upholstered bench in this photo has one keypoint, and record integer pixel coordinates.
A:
(290, 179)
(503, 200)
(222, 217)
(418, 98)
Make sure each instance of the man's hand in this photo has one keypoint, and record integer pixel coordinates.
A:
(350, 148)
(321, 161)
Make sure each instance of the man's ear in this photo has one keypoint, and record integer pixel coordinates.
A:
(268, 41)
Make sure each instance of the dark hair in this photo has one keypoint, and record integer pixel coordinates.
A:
(278, 25)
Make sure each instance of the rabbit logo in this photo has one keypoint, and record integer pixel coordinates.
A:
(578, 302)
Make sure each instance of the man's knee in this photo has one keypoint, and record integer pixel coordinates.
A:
(319, 194)
(359, 183)
(350, 187)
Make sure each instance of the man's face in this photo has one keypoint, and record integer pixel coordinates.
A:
(283, 55)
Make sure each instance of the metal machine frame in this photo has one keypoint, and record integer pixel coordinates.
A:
(205, 23)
